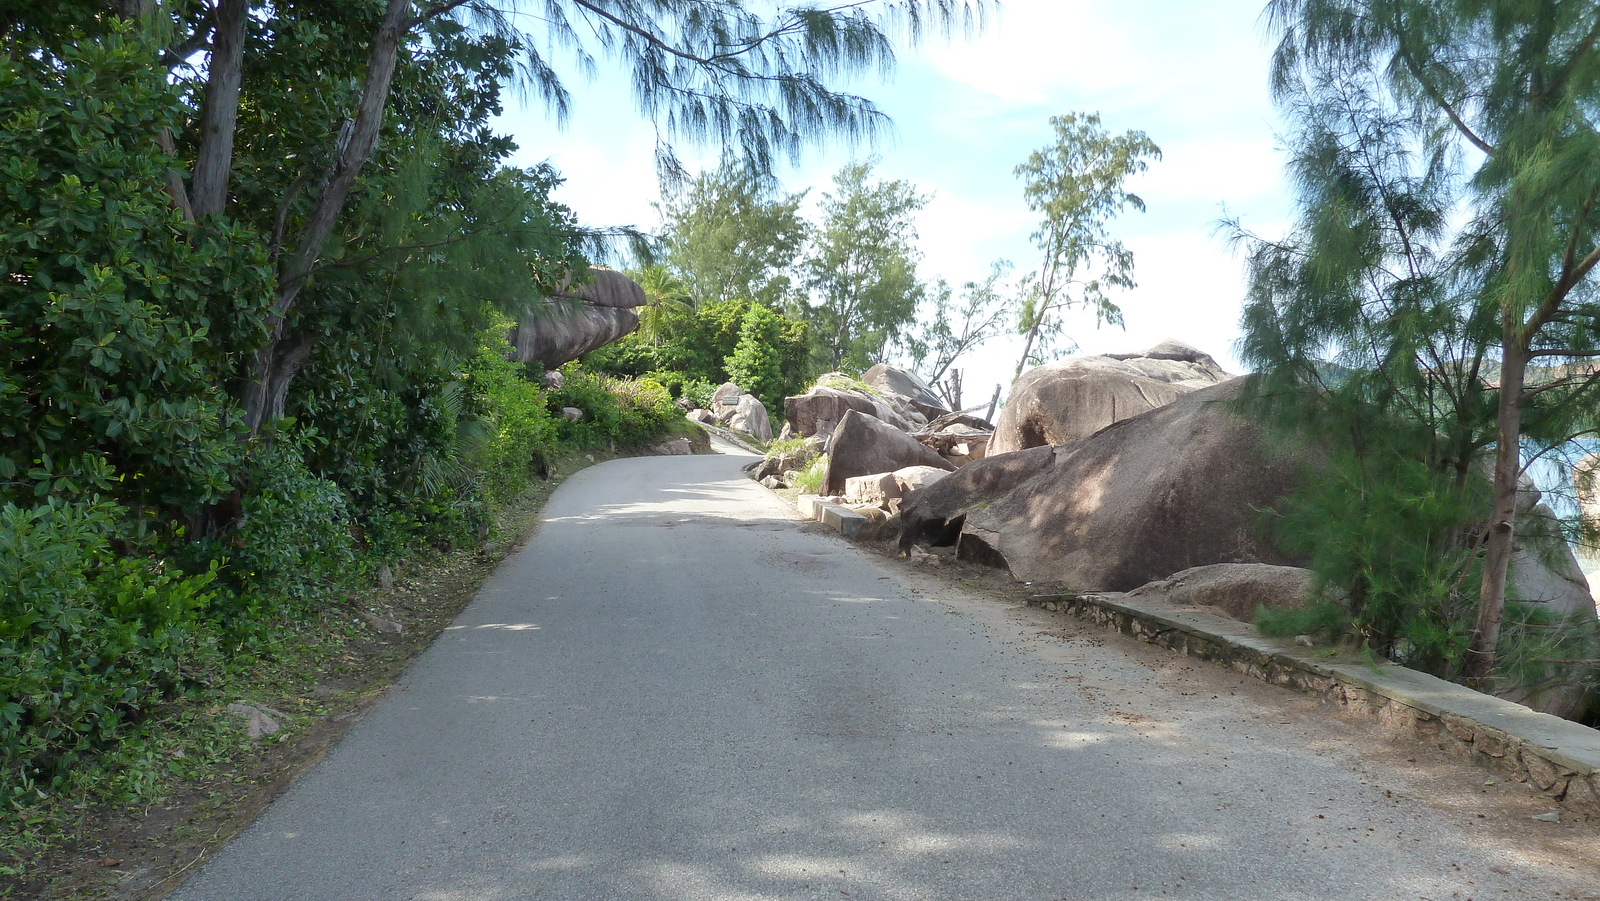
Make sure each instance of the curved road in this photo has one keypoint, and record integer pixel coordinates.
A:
(679, 691)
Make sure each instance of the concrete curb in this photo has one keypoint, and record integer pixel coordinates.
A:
(1559, 757)
(846, 522)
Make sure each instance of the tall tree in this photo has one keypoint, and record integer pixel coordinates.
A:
(1077, 184)
(862, 266)
(703, 70)
(733, 236)
(1448, 190)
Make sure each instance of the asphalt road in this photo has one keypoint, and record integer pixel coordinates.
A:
(679, 691)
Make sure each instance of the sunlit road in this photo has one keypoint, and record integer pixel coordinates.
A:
(679, 691)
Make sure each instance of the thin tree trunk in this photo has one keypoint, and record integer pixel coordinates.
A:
(220, 111)
(1481, 651)
(271, 369)
(1047, 283)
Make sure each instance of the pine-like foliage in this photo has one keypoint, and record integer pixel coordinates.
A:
(1437, 283)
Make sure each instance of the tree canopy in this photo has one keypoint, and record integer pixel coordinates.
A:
(1076, 184)
(1445, 159)
(861, 266)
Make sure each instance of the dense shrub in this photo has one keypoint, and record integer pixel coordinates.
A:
(522, 433)
(89, 641)
(698, 345)
(621, 411)
(293, 544)
(122, 317)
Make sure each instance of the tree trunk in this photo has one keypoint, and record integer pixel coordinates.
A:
(220, 111)
(273, 367)
(1480, 659)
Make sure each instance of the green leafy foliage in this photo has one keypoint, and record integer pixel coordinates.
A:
(1388, 540)
(615, 411)
(756, 364)
(293, 543)
(694, 346)
(862, 267)
(734, 237)
(90, 640)
(1443, 156)
(1076, 184)
(113, 387)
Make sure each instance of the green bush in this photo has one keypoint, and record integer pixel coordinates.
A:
(293, 544)
(622, 411)
(756, 364)
(130, 313)
(1386, 536)
(523, 433)
(90, 642)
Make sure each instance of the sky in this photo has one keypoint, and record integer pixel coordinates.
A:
(1192, 76)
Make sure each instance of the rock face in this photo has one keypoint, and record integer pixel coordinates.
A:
(750, 416)
(576, 320)
(732, 407)
(1235, 589)
(894, 380)
(1144, 498)
(1072, 399)
(820, 410)
(863, 445)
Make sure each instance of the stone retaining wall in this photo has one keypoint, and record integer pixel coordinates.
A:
(1560, 758)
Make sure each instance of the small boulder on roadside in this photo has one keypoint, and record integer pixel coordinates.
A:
(912, 478)
(863, 445)
(260, 720)
(737, 409)
(750, 416)
(1234, 589)
(876, 489)
(797, 458)
(674, 447)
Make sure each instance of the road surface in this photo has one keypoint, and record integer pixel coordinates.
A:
(677, 690)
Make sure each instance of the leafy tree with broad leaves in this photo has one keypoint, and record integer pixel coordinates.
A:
(1446, 167)
(732, 236)
(1077, 184)
(756, 364)
(703, 70)
(861, 267)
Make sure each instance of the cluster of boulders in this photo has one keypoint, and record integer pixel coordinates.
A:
(734, 408)
(881, 436)
(1112, 473)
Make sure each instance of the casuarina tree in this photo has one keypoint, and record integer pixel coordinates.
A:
(1446, 159)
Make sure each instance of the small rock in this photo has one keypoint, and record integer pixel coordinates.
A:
(571, 414)
(554, 380)
(675, 447)
(772, 482)
(382, 623)
(1553, 816)
(385, 577)
(263, 720)
(1304, 641)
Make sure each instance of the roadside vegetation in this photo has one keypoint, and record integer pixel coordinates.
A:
(259, 263)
